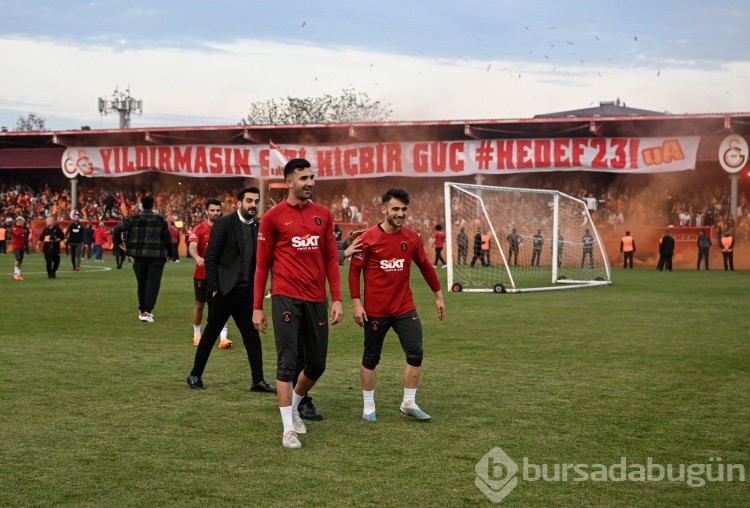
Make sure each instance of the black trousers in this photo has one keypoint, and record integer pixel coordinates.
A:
(238, 304)
(148, 272)
(665, 261)
(119, 255)
(728, 260)
(53, 263)
(479, 254)
(627, 258)
(536, 255)
(702, 255)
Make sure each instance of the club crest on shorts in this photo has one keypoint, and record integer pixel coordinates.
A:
(375, 326)
(318, 220)
(286, 316)
(403, 246)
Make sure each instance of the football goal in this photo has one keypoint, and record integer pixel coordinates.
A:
(505, 239)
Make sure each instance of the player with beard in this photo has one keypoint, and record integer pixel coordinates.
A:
(297, 235)
(230, 271)
(387, 252)
(197, 242)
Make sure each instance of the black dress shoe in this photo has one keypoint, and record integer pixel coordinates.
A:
(262, 386)
(195, 383)
(307, 410)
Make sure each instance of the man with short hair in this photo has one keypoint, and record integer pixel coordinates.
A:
(88, 239)
(727, 250)
(388, 251)
(514, 242)
(537, 242)
(588, 248)
(666, 251)
(704, 246)
(149, 244)
(627, 248)
(197, 242)
(74, 239)
(51, 237)
(175, 234)
(297, 235)
(230, 273)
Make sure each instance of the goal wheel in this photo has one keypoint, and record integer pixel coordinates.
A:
(599, 279)
(457, 288)
(562, 277)
(498, 288)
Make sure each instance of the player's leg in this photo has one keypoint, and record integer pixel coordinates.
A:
(199, 288)
(409, 330)
(286, 314)
(375, 330)
(219, 310)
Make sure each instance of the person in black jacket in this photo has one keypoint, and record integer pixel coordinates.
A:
(704, 245)
(666, 250)
(230, 273)
(478, 252)
(51, 237)
(74, 239)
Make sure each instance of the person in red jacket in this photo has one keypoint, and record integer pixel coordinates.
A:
(387, 253)
(175, 234)
(18, 240)
(100, 239)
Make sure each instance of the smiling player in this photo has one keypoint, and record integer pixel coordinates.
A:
(388, 251)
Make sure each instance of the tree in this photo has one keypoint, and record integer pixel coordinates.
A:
(32, 122)
(349, 107)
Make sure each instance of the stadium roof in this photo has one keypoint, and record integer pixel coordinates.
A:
(43, 150)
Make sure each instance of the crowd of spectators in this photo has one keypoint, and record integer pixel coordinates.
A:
(615, 202)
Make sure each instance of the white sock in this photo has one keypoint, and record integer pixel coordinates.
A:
(410, 395)
(296, 399)
(196, 330)
(16, 270)
(224, 332)
(369, 401)
(286, 418)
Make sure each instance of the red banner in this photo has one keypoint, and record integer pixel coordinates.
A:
(413, 159)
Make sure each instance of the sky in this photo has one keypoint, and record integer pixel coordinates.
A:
(202, 63)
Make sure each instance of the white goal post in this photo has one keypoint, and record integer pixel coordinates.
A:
(506, 239)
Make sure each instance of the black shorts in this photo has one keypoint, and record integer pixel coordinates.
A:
(299, 324)
(18, 253)
(199, 286)
(407, 326)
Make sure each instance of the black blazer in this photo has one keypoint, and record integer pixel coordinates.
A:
(224, 253)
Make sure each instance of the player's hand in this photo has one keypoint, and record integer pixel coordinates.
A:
(354, 247)
(337, 313)
(360, 316)
(440, 306)
(199, 260)
(354, 235)
(259, 320)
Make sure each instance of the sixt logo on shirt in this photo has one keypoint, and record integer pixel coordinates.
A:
(392, 265)
(306, 242)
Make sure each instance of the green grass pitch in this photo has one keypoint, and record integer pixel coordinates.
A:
(94, 409)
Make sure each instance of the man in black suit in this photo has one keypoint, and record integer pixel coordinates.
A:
(230, 271)
(666, 250)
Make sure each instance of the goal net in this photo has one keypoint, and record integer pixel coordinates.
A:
(505, 239)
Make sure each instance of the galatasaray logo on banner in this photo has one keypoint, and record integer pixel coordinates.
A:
(410, 159)
(733, 153)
